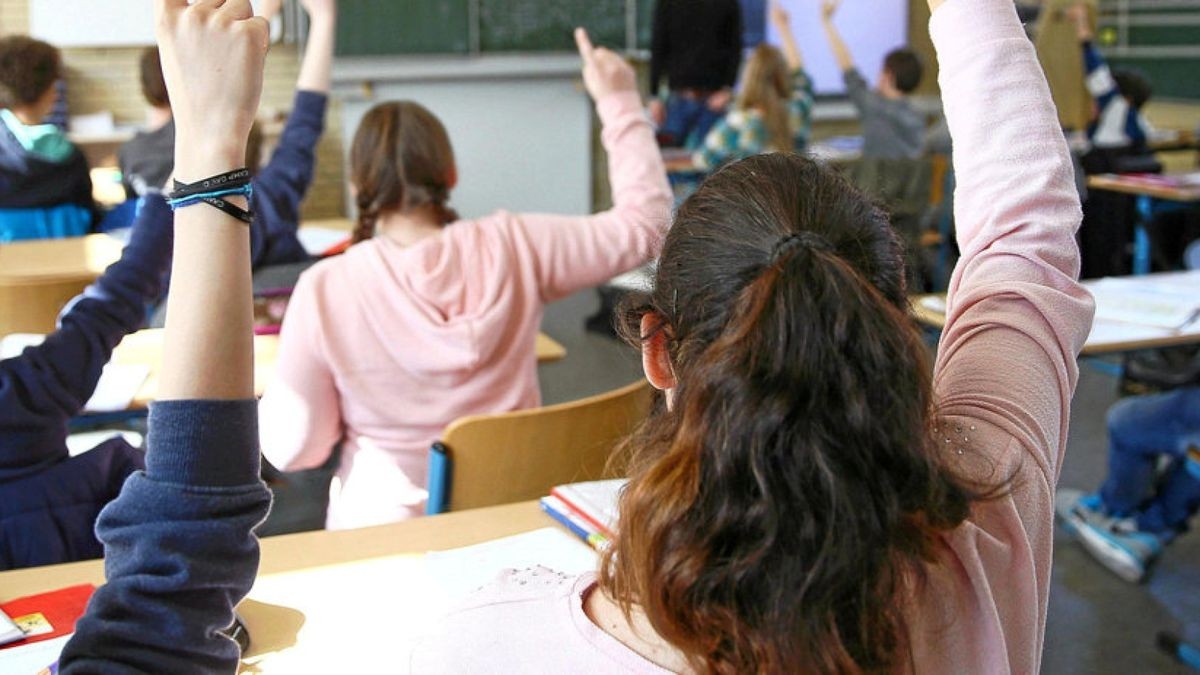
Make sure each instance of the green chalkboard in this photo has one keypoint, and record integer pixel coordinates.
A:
(546, 25)
(645, 22)
(1160, 43)
(390, 27)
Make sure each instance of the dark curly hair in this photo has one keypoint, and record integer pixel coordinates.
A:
(28, 68)
(778, 510)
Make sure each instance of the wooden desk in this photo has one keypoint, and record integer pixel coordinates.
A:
(37, 278)
(146, 347)
(1145, 192)
(1106, 337)
(365, 584)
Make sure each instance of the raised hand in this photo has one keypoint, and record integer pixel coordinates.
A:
(779, 16)
(829, 9)
(604, 72)
(212, 56)
(320, 8)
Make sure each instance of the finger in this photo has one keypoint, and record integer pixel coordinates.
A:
(238, 10)
(585, 44)
(260, 28)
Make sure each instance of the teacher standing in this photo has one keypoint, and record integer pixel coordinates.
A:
(697, 48)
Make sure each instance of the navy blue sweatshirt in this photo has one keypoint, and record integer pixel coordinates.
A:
(180, 552)
(48, 501)
(280, 186)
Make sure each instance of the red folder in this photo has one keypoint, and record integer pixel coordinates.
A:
(61, 609)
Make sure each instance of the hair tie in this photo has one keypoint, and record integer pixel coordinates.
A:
(794, 242)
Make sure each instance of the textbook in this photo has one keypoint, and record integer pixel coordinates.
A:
(558, 510)
(595, 502)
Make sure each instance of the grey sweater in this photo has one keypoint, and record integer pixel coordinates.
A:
(892, 128)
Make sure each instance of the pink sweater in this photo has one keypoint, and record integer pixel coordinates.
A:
(384, 346)
(1005, 375)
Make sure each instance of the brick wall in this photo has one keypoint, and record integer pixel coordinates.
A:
(107, 79)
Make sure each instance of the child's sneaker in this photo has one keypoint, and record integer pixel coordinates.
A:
(1115, 542)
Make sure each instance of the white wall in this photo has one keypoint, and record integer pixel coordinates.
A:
(520, 126)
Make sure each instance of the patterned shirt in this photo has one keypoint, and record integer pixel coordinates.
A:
(743, 133)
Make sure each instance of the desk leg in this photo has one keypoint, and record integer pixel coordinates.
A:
(1141, 235)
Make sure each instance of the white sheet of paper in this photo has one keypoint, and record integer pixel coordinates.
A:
(365, 616)
(317, 240)
(31, 659)
(118, 384)
(461, 571)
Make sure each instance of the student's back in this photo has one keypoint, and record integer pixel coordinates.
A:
(385, 346)
(39, 168)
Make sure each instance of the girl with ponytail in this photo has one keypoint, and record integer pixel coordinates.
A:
(815, 496)
(429, 317)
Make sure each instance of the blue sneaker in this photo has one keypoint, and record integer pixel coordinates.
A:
(1115, 543)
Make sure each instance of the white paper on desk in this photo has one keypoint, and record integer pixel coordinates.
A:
(934, 303)
(1149, 302)
(461, 571)
(318, 240)
(33, 658)
(118, 385)
(13, 344)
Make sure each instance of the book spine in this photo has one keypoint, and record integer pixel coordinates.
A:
(582, 512)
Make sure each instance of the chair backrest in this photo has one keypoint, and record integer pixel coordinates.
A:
(1191, 256)
(66, 220)
(485, 460)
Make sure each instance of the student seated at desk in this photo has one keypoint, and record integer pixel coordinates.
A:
(48, 500)
(812, 499)
(281, 185)
(428, 318)
(148, 159)
(773, 112)
(45, 186)
(1137, 512)
(892, 128)
(1119, 95)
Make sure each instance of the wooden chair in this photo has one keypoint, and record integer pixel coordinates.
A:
(485, 460)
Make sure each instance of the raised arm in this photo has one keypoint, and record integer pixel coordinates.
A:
(576, 252)
(1098, 76)
(1017, 316)
(282, 184)
(45, 386)
(179, 548)
(841, 53)
(783, 25)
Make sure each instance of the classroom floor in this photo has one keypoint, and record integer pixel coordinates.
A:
(1097, 624)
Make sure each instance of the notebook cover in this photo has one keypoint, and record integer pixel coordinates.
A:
(53, 613)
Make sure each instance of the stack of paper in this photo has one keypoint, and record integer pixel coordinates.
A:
(1162, 302)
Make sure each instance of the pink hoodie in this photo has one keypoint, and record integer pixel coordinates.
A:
(1005, 374)
(385, 345)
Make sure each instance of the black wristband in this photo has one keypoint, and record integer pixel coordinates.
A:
(226, 181)
(231, 209)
